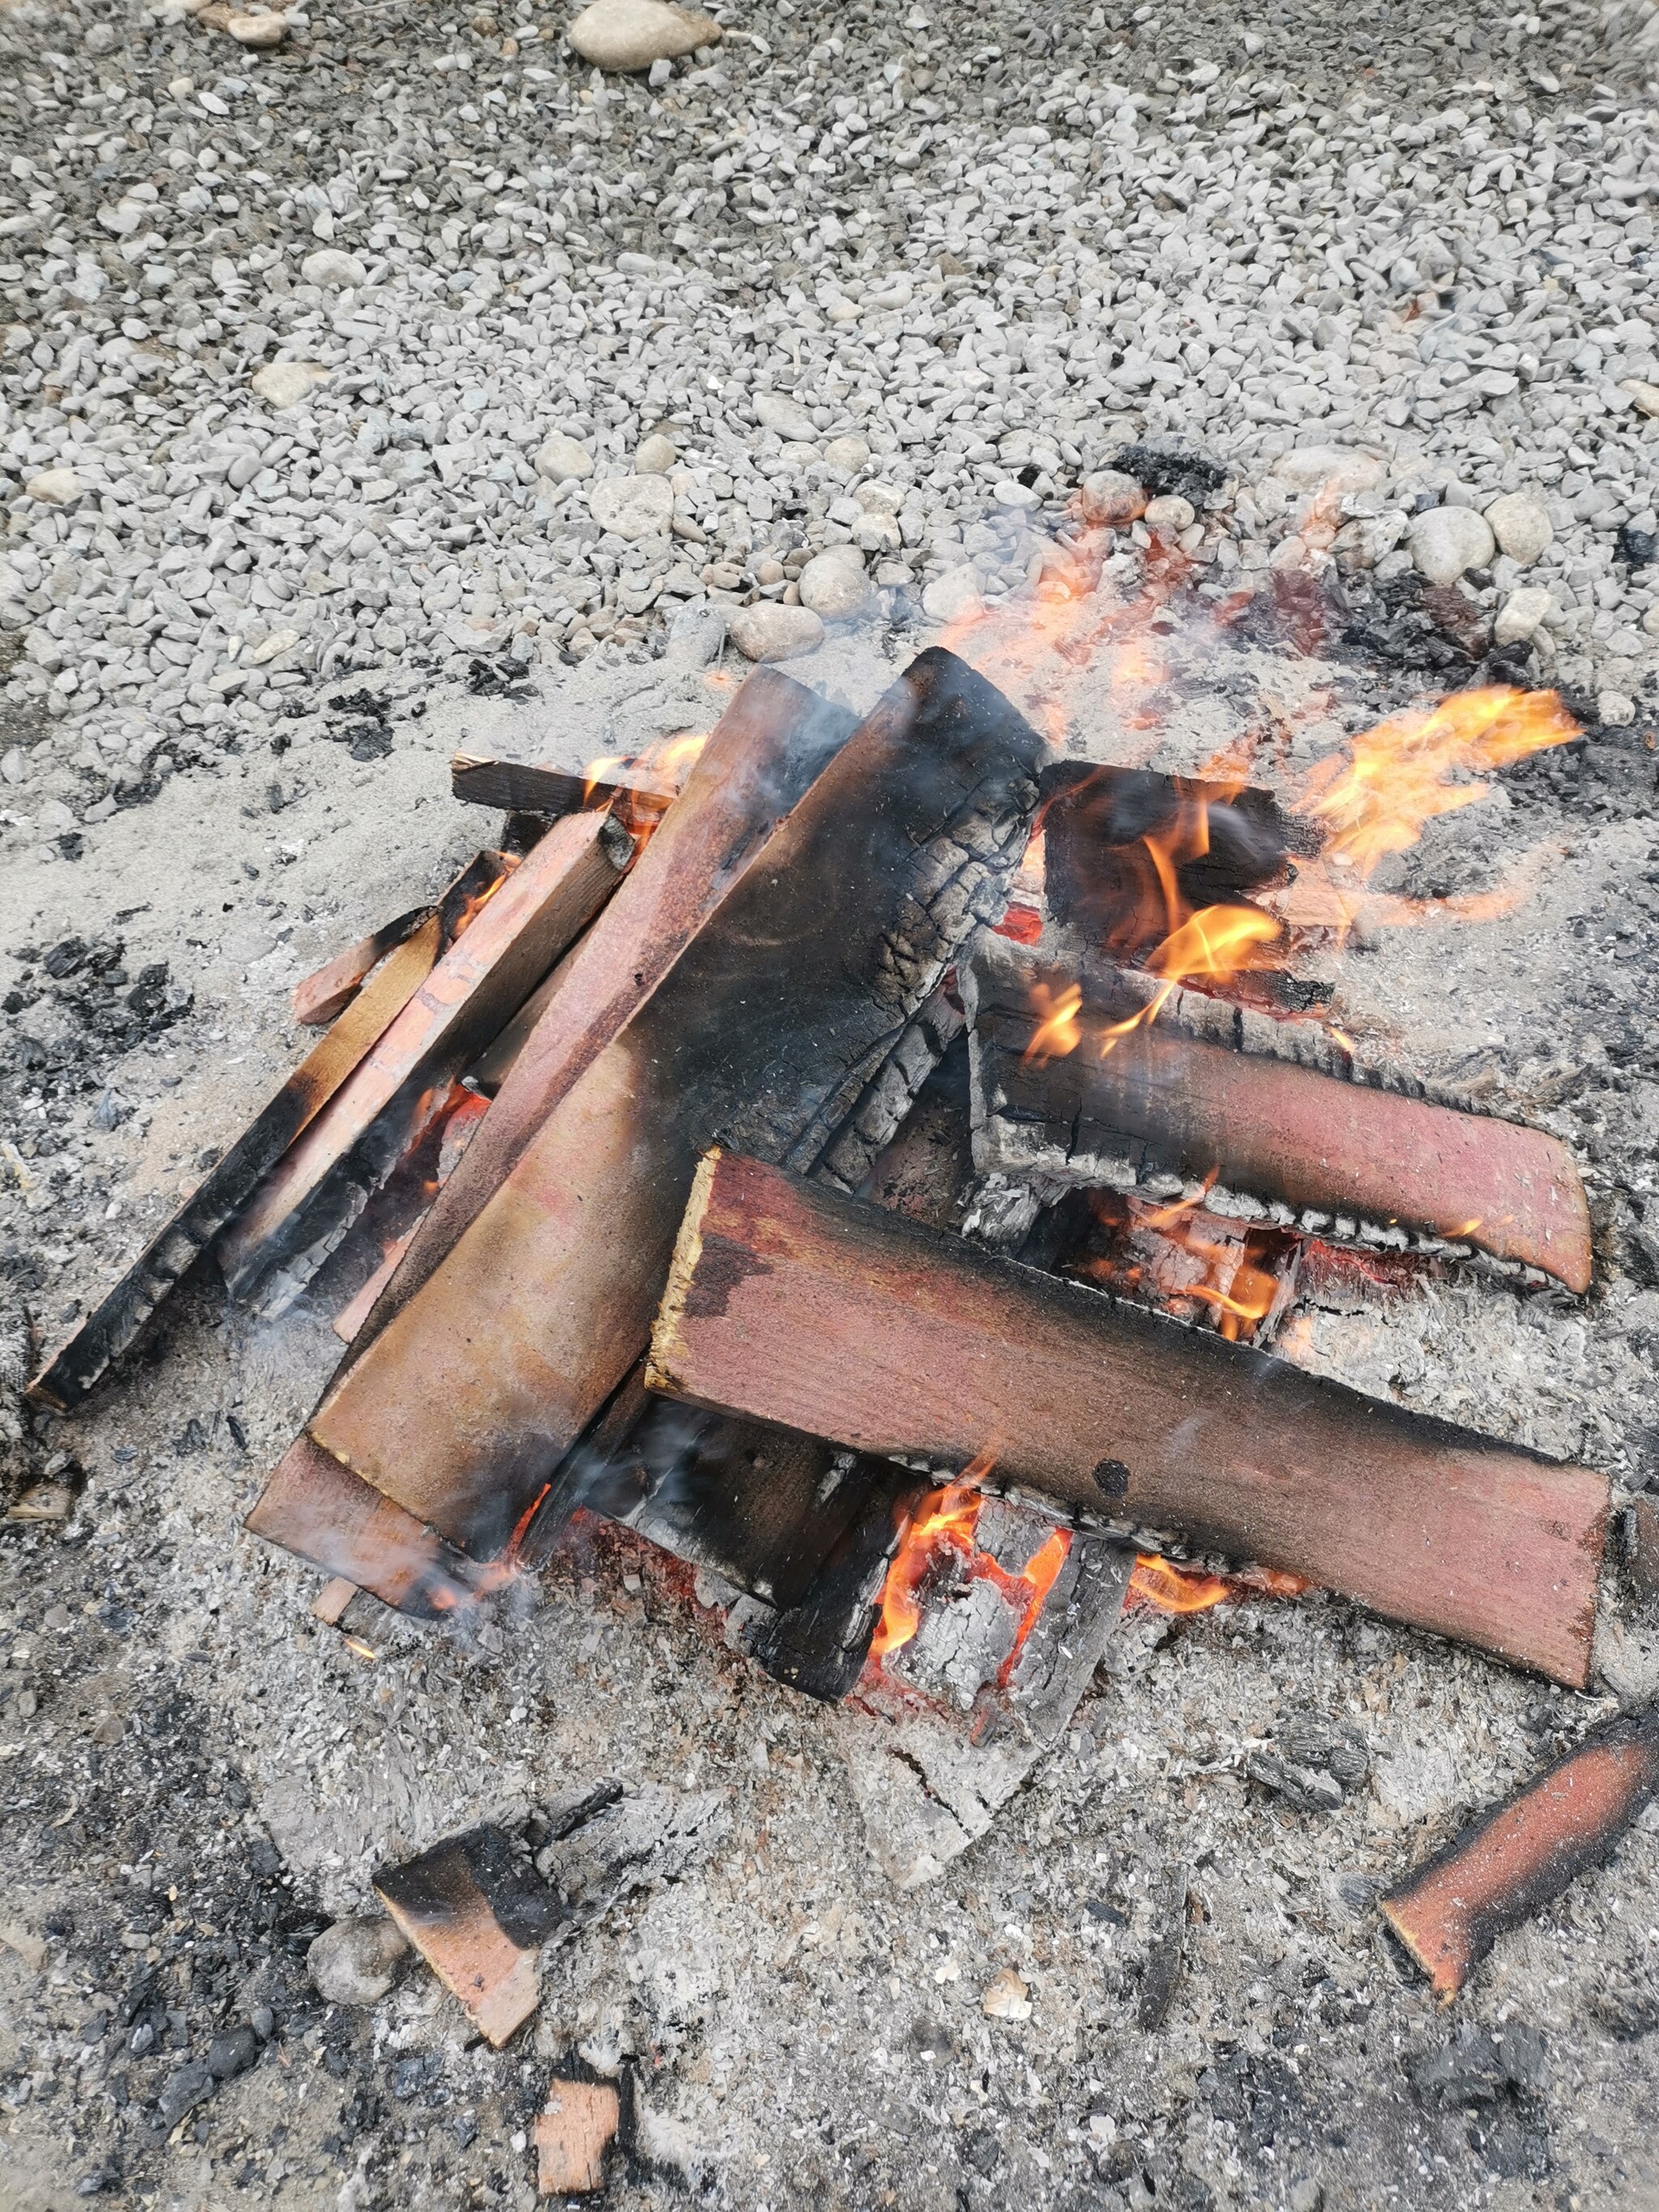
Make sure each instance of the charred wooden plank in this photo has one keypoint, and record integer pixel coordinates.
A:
(479, 1915)
(792, 1304)
(769, 1028)
(485, 975)
(1119, 1104)
(112, 1326)
(1114, 838)
(320, 1510)
(329, 990)
(765, 750)
(1515, 1857)
(574, 2131)
(520, 788)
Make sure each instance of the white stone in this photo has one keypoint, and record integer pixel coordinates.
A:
(261, 27)
(657, 456)
(833, 583)
(1522, 525)
(354, 1962)
(1013, 494)
(1520, 616)
(850, 453)
(563, 457)
(1650, 620)
(1109, 496)
(333, 267)
(279, 641)
(1447, 541)
(1615, 710)
(1170, 515)
(1329, 468)
(631, 34)
(56, 486)
(285, 383)
(1644, 395)
(633, 506)
(952, 596)
(776, 410)
(769, 631)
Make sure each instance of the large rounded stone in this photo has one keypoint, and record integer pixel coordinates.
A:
(834, 584)
(769, 631)
(657, 456)
(1109, 496)
(954, 594)
(776, 410)
(633, 506)
(1522, 525)
(563, 458)
(631, 34)
(333, 267)
(260, 26)
(354, 1962)
(285, 383)
(1447, 541)
(850, 452)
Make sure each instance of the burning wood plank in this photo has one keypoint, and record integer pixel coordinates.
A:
(1514, 1858)
(636, 795)
(766, 749)
(112, 1326)
(510, 941)
(320, 1510)
(792, 1304)
(1074, 1081)
(478, 1916)
(574, 2131)
(326, 993)
(774, 1020)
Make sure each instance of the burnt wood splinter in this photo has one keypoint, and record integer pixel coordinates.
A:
(325, 994)
(478, 1914)
(792, 1304)
(1514, 1858)
(115, 1320)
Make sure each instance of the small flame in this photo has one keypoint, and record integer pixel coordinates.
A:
(1057, 1033)
(1154, 1582)
(357, 1643)
(1414, 766)
(945, 1522)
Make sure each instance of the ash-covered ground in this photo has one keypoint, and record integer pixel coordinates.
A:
(198, 1777)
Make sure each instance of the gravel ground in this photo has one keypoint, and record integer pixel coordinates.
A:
(899, 283)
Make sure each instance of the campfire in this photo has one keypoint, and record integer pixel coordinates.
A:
(884, 1163)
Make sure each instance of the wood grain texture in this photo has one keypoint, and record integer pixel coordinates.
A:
(767, 1032)
(1514, 1858)
(1160, 1099)
(117, 1319)
(325, 994)
(792, 1304)
(320, 1510)
(483, 978)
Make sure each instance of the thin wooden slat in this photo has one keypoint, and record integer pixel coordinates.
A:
(325, 994)
(1513, 1858)
(484, 976)
(795, 1305)
(521, 787)
(320, 1510)
(110, 1328)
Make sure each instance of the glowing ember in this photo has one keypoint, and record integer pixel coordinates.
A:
(357, 1643)
(944, 1523)
(1414, 766)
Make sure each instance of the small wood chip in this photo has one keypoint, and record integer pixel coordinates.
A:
(574, 2131)
(1006, 1997)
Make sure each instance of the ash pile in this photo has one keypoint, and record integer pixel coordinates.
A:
(891, 1169)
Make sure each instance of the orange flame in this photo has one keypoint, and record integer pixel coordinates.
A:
(1057, 1033)
(1158, 1582)
(945, 1522)
(1414, 766)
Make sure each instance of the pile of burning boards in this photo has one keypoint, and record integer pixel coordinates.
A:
(873, 1166)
